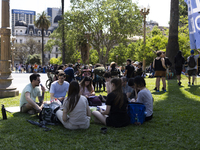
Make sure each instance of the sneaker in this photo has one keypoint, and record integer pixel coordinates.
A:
(179, 83)
(192, 84)
(188, 83)
(157, 91)
(163, 88)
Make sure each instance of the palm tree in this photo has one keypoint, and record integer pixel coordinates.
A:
(173, 45)
(43, 23)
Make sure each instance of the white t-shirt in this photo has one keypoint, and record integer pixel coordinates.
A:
(34, 92)
(195, 57)
(145, 97)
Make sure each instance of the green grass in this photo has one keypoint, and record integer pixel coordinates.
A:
(175, 126)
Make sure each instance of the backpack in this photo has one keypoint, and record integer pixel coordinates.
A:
(94, 101)
(192, 62)
(48, 113)
(136, 112)
(99, 71)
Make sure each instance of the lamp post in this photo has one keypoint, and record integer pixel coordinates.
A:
(6, 87)
(144, 12)
(12, 50)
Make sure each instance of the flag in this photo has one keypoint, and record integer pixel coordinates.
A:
(194, 23)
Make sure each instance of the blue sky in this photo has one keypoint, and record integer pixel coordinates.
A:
(159, 9)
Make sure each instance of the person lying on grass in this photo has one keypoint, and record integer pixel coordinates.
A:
(76, 112)
(143, 96)
(115, 114)
(29, 94)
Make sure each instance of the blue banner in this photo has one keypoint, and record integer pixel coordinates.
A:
(194, 23)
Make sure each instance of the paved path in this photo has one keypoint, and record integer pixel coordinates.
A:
(20, 80)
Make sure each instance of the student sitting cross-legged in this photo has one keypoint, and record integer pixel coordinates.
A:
(76, 112)
(116, 107)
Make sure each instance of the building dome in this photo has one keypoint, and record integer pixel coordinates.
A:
(57, 18)
(21, 23)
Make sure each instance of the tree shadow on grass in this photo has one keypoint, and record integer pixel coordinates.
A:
(176, 118)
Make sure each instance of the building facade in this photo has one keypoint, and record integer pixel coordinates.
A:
(23, 31)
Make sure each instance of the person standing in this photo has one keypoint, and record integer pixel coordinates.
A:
(69, 71)
(129, 72)
(192, 66)
(179, 61)
(160, 70)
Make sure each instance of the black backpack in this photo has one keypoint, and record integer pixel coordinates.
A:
(192, 62)
(48, 113)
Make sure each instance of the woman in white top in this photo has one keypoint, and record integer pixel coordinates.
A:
(76, 112)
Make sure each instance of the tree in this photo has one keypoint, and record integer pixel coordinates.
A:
(173, 45)
(35, 58)
(108, 22)
(32, 46)
(20, 52)
(42, 23)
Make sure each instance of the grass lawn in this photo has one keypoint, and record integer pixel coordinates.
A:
(175, 126)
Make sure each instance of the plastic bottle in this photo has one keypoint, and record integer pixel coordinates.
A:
(3, 110)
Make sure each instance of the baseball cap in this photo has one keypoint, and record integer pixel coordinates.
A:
(192, 51)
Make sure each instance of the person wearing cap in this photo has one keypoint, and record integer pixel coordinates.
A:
(192, 70)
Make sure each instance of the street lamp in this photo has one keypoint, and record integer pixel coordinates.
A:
(144, 12)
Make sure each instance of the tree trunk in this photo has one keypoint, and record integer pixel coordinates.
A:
(173, 45)
(42, 47)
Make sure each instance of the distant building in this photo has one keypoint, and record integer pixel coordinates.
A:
(53, 13)
(23, 31)
(26, 15)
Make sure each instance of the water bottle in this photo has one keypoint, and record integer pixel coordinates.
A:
(3, 110)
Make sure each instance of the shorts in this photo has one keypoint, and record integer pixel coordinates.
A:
(160, 74)
(178, 71)
(24, 109)
(192, 72)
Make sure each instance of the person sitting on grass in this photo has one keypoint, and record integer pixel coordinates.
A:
(144, 96)
(76, 112)
(59, 88)
(115, 114)
(28, 96)
(87, 90)
(125, 88)
(86, 87)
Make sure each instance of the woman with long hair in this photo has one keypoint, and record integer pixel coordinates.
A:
(86, 87)
(76, 112)
(179, 61)
(116, 107)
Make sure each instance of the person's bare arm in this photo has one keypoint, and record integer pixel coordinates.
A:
(125, 73)
(128, 94)
(154, 63)
(32, 103)
(88, 111)
(163, 63)
(107, 111)
(59, 98)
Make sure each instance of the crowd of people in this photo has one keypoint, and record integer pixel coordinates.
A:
(78, 83)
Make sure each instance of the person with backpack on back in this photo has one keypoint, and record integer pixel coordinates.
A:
(179, 61)
(192, 66)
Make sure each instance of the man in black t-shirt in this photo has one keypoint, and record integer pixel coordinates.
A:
(129, 72)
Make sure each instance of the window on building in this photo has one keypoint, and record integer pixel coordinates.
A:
(44, 33)
(20, 30)
(39, 33)
(16, 41)
(49, 56)
(21, 41)
(56, 55)
(56, 49)
(38, 41)
(44, 42)
(49, 33)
